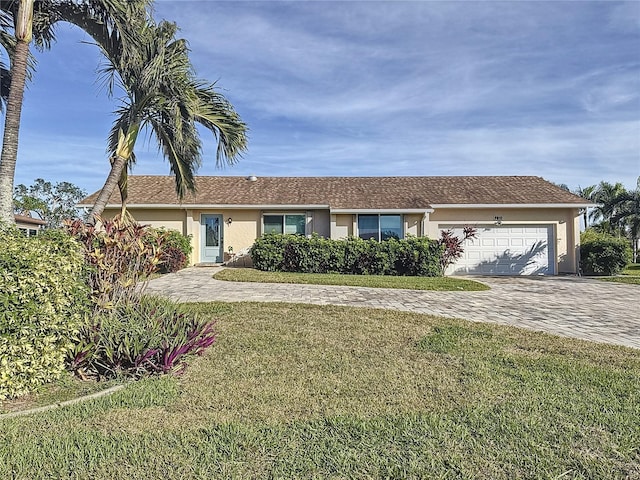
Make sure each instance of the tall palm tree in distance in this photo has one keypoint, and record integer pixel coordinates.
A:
(603, 196)
(588, 194)
(626, 216)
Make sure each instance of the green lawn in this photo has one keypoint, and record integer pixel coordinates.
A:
(300, 391)
(630, 275)
(375, 281)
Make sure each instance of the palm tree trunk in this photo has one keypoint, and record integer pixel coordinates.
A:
(118, 164)
(11, 130)
(23, 23)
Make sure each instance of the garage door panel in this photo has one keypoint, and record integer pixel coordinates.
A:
(506, 250)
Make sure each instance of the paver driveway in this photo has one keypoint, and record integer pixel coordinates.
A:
(576, 307)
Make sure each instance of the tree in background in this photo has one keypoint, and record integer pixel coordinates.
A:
(604, 196)
(587, 193)
(52, 203)
(617, 211)
(625, 217)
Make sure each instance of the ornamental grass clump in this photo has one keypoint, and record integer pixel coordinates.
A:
(136, 339)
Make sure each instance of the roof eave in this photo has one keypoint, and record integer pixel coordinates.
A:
(209, 206)
(380, 210)
(512, 205)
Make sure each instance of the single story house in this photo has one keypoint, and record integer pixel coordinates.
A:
(526, 225)
(29, 225)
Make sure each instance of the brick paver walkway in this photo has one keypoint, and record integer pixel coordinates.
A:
(576, 307)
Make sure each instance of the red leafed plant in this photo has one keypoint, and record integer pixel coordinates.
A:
(129, 334)
(453, 246)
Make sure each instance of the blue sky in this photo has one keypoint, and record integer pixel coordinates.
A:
(375, 88)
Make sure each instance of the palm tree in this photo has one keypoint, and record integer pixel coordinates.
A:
(588, 194)
(163, 95)
(35, 19)
(23, 23)
(604, 197)
(7, 42)
(626, 216)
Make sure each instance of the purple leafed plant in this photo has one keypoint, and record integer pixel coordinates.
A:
(453, 246)
(148, 338)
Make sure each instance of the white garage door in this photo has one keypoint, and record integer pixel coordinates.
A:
(506, 250)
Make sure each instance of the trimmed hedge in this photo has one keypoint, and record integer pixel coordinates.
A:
(413, 256)
(43, 301)
(603, 254)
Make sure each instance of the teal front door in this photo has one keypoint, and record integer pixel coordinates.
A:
(211, 238)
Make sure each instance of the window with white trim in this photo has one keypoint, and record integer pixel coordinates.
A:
(284, 223)
(380, 226)
(28, 232)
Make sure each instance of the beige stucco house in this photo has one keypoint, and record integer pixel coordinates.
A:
(28, 225)
(526, 225)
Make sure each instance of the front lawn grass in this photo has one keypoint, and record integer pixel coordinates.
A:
(302, 391)
(374, 281)
(66, 388)
(630, 275)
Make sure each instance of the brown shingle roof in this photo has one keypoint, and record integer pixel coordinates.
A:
(347, 192)
(28, 219)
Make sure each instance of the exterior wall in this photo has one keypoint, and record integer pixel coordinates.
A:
(239, 234)
(28, 228)
(321, 223)
(246, 225)
(413, 225)
(566, 223)
(33, 226)
(342, 226)
(169, 219)
(346, 225)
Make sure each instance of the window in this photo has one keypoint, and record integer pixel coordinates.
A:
(28, 232)
(293, 224)
(380, 227)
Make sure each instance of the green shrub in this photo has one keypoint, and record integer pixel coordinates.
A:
(43, 302)
(175, 250)
(603, 254)
(267, 253)
(137, 338)
(295, 253)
